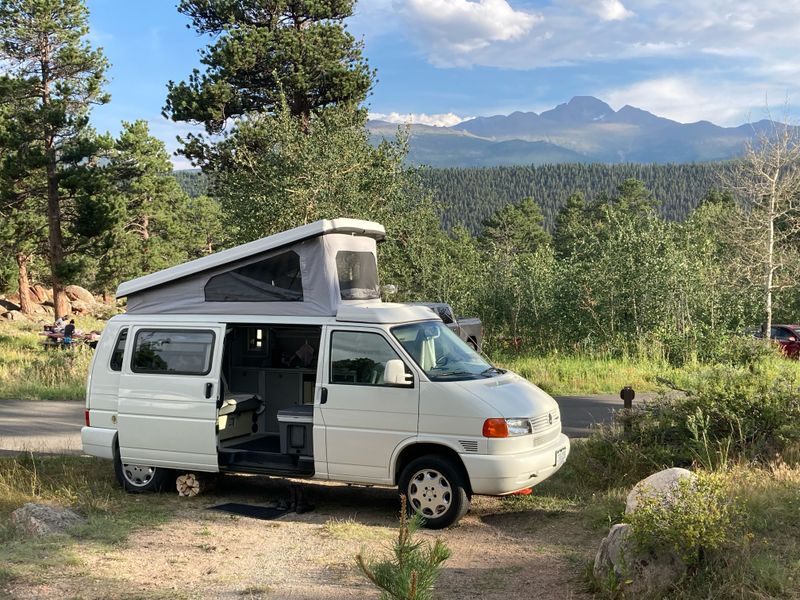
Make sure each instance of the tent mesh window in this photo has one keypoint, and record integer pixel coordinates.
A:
(358, 275)
(274, 279)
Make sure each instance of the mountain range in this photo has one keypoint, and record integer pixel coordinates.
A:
(583, 130)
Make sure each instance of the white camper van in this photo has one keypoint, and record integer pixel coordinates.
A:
(278, 357)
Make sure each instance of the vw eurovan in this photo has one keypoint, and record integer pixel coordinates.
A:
(278, 357)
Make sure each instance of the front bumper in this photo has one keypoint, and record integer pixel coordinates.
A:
(500, 474)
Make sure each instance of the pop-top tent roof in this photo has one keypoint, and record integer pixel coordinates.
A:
(309, 270)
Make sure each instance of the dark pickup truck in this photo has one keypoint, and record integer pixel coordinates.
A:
(469, 329)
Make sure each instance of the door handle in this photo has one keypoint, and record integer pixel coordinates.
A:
(209, 389)
(323, 396)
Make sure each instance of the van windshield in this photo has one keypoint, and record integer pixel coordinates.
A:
(441, 353)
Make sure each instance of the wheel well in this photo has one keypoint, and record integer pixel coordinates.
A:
(414, 451)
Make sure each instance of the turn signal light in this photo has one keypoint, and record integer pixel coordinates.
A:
(86, 417)
(495, 428)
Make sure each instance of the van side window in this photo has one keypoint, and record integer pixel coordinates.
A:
(359, 358)
(274, 279)
(358, 275)
(119, 351)
(173, 352)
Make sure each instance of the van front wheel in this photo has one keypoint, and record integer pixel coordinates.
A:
(140, 478)
(435, 490)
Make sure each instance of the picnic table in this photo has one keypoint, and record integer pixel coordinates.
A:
(55, 339)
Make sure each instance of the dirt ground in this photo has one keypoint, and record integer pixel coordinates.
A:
(498, 551)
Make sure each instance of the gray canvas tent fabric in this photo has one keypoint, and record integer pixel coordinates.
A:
(297, 279)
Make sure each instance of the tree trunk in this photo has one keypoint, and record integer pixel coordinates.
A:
(25, 302)
(770, 265)
(56, 242)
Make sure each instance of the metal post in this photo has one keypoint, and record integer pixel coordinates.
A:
(627, 394)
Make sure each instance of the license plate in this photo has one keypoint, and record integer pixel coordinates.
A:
(561, 456)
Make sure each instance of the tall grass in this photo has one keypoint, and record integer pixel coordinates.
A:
(567, 375)
(30, 372)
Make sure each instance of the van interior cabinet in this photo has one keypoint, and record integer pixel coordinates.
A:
(283, 389)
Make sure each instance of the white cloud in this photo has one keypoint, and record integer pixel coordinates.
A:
(452, 28)
(687, 99)
(612, 10)
(440, 120)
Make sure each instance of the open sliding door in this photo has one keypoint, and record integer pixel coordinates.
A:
(168, 396)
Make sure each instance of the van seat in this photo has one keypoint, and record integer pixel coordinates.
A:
(239, 403)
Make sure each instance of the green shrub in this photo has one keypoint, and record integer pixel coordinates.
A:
(415, 566)
(697, 517)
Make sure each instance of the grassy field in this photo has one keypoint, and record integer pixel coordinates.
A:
(29, 372)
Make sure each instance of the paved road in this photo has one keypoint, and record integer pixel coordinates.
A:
(56, 426)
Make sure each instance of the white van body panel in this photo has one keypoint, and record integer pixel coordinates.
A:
(363, 423)
(169, 419)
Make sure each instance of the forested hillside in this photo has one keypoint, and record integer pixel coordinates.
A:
(471, 195)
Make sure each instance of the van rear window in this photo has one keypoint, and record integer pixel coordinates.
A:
(176, 352)
(119, 351)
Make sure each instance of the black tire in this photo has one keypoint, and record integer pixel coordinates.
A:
(435, 489)
(472, 344)
(137, 479)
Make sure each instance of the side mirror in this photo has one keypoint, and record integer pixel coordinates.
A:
(792, 339)
(395, 373)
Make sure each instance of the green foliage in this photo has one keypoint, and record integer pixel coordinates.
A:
(412, 572)
(139, 220)
(696, 517)
(265, 54)
(57, 77)
(471, 195)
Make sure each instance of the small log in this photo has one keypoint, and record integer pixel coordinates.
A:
(188, 485)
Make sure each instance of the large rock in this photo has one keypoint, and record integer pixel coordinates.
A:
(41, 519)
(41, 294)
(641, 572)
(660, 485)
(14, 315)
(76, 292)
(79, 307)
(8, 305)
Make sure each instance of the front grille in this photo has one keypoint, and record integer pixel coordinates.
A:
(545, 421)
(546, 428)
(469, 445)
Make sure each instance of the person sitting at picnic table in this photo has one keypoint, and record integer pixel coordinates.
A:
(69, 331)
(60, 323)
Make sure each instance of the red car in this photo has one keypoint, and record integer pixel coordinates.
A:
(787, 336)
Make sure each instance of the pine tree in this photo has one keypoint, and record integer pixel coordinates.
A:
(265, 53)
(43, 44)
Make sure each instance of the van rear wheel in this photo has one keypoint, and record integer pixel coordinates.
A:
(140, 478)
(435, 490)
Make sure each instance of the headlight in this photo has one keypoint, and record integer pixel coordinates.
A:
(519, 427)
(503, 428)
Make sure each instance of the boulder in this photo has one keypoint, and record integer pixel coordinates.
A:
(13, 298)
(41, 519)
(41, 294)
(76, 292)
(14, 315)
(641, 572)
(79, 307)
(9, 305)
(658, 485)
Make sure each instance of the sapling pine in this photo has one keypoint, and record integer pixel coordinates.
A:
(412, 572)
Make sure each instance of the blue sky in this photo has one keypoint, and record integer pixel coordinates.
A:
(440, 61)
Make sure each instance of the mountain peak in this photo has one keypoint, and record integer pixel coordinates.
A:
(584, 109)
